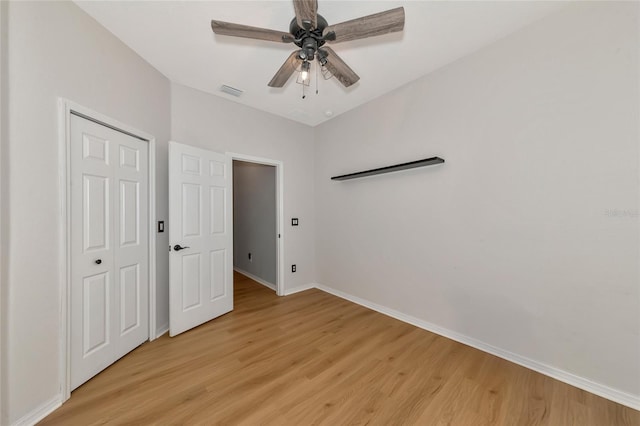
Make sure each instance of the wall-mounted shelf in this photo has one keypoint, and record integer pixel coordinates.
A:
(388, 169)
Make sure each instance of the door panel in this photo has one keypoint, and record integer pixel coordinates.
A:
(129, 214)
(191, 281)
(218, 273)
(129, 298)
(129, 157)
(109, 247)
(217, 168)
(96, 312)
(199, 203)
(216, 210)
(95, 148)
(95, 210)
(190, 164)
(191, 205)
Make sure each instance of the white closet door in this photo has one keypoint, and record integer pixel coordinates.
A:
(109, 247)
(200, 218)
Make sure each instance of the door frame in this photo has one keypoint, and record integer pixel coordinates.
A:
(279, 209)
(65, 109)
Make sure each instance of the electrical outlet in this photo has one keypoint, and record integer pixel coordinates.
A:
(250, 258)
(294, 221)
(293, 268)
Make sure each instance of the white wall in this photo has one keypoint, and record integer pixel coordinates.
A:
(214, 123)
(254, 220)
(56, 50)
(515, 240)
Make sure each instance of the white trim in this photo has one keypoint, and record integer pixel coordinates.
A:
(300, 288)
(255, 278)
(40, 412)
(65, 107)
(280, 276)
(162, 330)
(64, 111)
(599, 389)
(4, 218)
(152, 238)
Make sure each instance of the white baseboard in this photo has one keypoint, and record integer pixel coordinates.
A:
(40, 412)
(162, 330)
(255, 278)
(300, 288)
(630, 400)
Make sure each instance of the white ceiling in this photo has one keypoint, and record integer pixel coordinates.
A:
(176, 38)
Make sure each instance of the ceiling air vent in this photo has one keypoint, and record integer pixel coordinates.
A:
(231, 90)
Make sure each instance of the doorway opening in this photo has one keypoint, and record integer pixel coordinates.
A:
(257, 220)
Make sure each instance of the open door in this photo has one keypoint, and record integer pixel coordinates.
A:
(200, 234)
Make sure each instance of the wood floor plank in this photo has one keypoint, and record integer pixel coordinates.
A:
(312, 358)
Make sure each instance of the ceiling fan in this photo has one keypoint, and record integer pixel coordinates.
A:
(310, 31)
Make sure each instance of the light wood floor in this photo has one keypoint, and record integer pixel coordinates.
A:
(312, 358)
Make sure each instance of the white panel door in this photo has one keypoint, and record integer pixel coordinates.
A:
(201, 263)
(109, 247)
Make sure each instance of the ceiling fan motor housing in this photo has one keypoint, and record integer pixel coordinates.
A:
(309, 40)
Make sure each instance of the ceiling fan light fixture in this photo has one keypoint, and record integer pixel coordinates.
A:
(326, 74)
(305, 73)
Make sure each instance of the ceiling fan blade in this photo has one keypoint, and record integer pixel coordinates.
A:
(306, 13)
(339, 68)
(285, 71)
(238, 30)
(377, 24)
